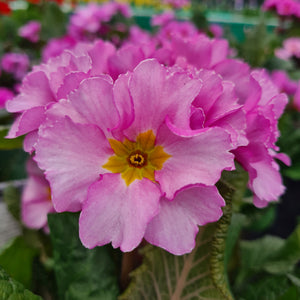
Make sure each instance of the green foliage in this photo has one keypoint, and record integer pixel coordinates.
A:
(53, 20)
(80, 273)
(289, 142)
(8, 144)
(258, 46)
(16, 258)
(198, 275)
(13, 290)
(267, 268)
(11, 196)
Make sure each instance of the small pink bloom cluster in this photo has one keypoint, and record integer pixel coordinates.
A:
(31, 31)
(177, 3)
(16, 64)
(86, 24)
(285, 8)
(136, 138)
(291, 48)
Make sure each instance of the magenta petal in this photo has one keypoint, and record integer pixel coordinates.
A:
(176, 226)
(197, 159)
(28, 121)
(118, 213)
(94, 100)
(71, 155)
(156, 93)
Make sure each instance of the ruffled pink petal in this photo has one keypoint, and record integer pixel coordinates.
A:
(197, 159)
(235, 124)
(94, 101)
(123, 101)
(210, 91)
(156, 93)
(28, 121)
(197, 50)
(176, 226)
(126, 59)
(246, 87)
(30, 141)
(100, 54)
(71, 155)
(118, 213)
(226, 103)
(70, 83)
(35, 91)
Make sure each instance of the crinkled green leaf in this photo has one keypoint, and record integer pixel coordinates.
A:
(8, 144)
(16, 258)
(80, 273)
(198, 275)
(13, 290)
(237, 180)
(235, 228)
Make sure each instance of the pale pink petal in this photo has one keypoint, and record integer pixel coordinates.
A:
(268, 183)
(176, 226)
(197, 159)
(72, 156)
(35, 91)
(156, 93)
(94, 101)
(117, 213)
(34, 213)
(123, 101)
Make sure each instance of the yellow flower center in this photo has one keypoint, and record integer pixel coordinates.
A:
(136, 160)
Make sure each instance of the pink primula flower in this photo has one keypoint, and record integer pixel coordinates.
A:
(48, 83)
(15, 63)
(31, 31)
(116, 154)
(36, 198)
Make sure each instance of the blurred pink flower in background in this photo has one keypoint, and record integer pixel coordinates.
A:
(31, 31)
(5, 94)
(16, 64)
(285, 8)
(177, 3)
(283, 82)
(56, 46)
(216, 30)
(291, 47)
